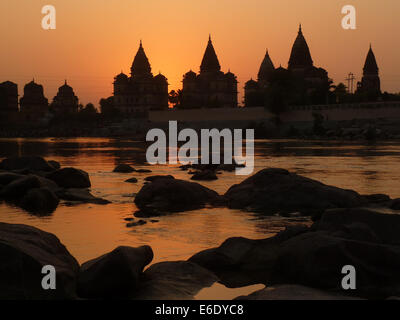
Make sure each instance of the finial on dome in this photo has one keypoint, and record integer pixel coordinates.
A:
(300, 30)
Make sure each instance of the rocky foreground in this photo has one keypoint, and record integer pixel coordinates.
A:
(298, 263)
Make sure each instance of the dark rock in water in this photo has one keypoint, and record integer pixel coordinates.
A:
(178, 280)
(81, 195)
(131, 180)
(129, 219)
(365, 239)
(241, 262)
(314, 257)
(153, 178)
(277, 190)
(70, 178)
(143, 170)
(8, 177)
(18, 188)
(24, 251)
(31, 163)
(294, 292)
(206, 175)
(185, 167)
(39, 201)
(56, 165)
(115, 274)
(395, 204)
(136, 223)
(173, 195)
(123, 168)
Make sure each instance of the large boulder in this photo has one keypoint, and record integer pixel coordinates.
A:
(362, 238)
(115, 274)
(240, 262)
(70, 178)
(24, 251)
(277, 190)
(173, 195)
(40, 201)
(177, 280)
(33, 164)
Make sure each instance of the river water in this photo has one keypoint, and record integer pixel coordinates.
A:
(90, 230)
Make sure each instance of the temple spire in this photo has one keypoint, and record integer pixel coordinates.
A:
(300, 56)
(141, 66)
(370, 66)
(210, 61)
(266, 68)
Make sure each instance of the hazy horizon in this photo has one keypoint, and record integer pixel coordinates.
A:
(96, 39)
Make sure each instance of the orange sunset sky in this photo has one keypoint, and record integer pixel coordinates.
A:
(96, 39)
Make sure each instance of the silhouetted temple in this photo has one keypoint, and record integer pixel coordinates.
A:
(211, 88)
(65, 102)
(33, 105)
(254, 90)
(370, 83)
(301, 71)
(8, 101)
(141, 92)
(302, 65)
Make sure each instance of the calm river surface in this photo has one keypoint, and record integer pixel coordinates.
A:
(90, 230)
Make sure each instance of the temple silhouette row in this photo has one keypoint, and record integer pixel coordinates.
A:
(141, 92)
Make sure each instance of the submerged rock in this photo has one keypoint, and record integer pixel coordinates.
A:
(123, 168)
(24, 251)
(131, 180)
(81, 195)
(173, 195)
(136, 223)
(180, 280)
(277, 190)
(70, 178)
(115, 274)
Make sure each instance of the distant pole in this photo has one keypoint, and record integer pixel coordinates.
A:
(350, 81)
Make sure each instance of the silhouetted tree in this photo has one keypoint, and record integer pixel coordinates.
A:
(175, 98)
